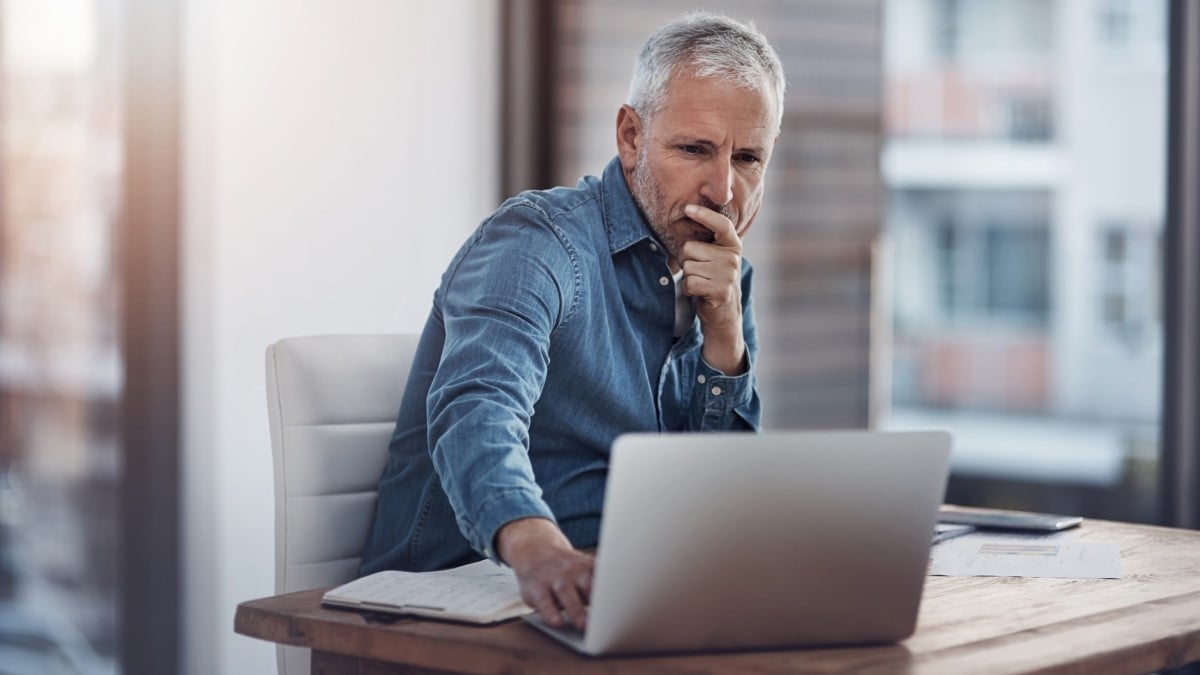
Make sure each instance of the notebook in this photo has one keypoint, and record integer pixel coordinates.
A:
(721, 541)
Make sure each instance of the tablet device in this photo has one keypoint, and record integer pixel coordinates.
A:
(1038, 522)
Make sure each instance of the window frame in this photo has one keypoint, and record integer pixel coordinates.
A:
(1179, 465)
(148, 240)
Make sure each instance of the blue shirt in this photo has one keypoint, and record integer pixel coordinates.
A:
(550, 335)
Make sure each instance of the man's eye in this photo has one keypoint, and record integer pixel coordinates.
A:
(748, 158)
(691, 149)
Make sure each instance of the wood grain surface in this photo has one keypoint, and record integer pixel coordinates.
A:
(1146, 621)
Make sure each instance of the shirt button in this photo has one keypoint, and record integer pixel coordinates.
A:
(663, 281)
(701, 379)
(716, 391)
(654, 247)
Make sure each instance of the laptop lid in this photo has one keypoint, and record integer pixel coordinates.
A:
(733, 541)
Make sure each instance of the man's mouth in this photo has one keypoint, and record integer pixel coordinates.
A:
(698, 232)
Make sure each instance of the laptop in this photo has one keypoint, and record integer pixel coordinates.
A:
(724, 541)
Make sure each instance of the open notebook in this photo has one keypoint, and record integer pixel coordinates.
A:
(482, 592)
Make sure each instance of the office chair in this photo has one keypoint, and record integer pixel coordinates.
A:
(332, 402)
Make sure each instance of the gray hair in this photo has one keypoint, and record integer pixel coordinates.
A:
(705, 45)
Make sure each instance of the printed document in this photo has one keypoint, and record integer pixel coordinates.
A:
(1059, 556)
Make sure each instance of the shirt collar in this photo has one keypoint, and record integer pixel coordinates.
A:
(622, 218)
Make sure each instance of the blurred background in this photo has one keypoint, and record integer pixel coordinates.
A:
(966, 227)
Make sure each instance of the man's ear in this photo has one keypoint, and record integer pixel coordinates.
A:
(629, 137)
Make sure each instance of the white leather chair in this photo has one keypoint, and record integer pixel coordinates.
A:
(332, 402)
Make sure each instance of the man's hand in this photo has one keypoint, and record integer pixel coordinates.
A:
(555, 578)
(712, 272)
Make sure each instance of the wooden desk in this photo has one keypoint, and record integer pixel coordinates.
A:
(1146, 621)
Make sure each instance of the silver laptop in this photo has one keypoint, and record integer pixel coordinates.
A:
(784, 539)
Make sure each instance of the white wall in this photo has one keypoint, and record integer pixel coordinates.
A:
(335, 156)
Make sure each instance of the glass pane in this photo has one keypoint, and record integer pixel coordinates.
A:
(1024, 162)
(60, 374)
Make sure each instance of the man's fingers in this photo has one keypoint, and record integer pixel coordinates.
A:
(723, 232)
(584, 583)
(714, 295)
(541, 599)
(571, 602)
(701, 275)
(560, 583)
(574, 591)
(710, 261)
(563, 595)
(699, 253)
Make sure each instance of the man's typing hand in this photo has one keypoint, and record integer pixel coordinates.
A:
(555, 578)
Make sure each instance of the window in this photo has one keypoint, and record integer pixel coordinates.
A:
(60, 368)
(988, 264)
(1130, 270)
(1025, 317)
(947, 29)
(1114, 22)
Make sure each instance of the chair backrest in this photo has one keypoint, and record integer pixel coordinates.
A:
(332, 402)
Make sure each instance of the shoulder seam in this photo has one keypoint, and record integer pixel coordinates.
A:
(568, 248)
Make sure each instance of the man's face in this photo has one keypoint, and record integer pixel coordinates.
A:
(709, 145)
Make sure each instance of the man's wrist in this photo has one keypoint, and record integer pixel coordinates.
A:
(521, 540)
(727, 356)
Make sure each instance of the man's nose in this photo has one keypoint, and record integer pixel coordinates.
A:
(718, 183)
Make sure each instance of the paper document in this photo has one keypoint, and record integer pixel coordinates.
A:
(482, 592)
(1053, 556)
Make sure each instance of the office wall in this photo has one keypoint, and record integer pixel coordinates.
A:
(335, 155)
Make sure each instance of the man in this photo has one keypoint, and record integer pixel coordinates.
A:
(574, 315)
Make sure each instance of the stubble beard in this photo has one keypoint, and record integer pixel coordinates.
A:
(649, 197)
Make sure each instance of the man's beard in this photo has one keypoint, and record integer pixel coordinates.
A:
(649, 198)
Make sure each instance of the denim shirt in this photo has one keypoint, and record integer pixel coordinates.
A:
(550, 335)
